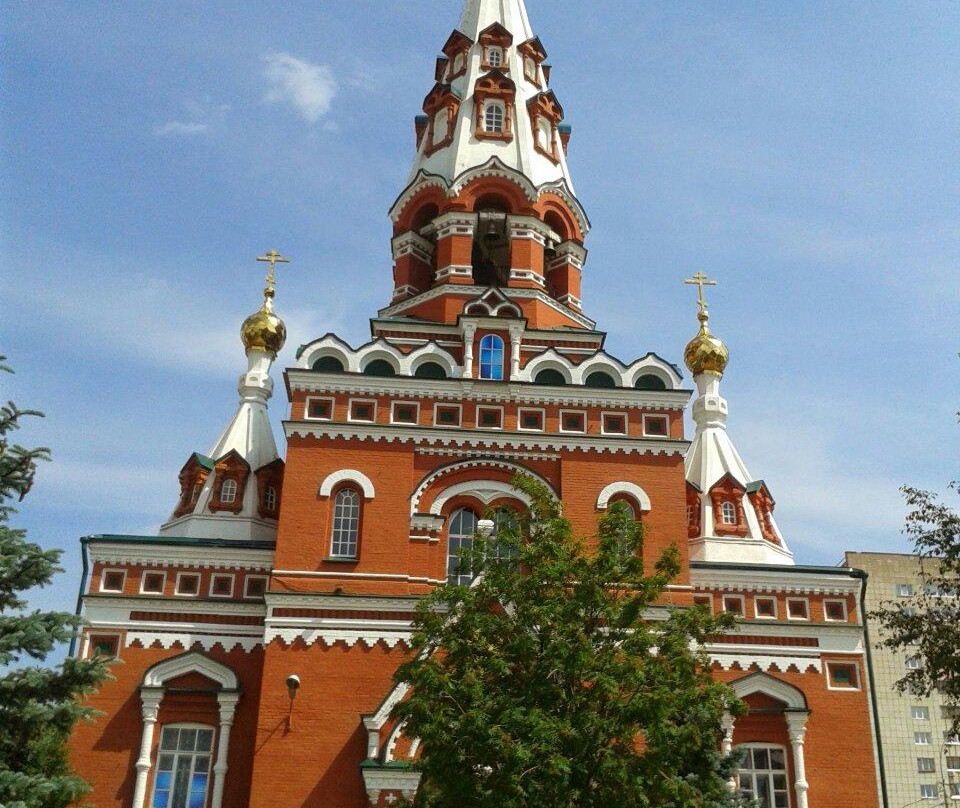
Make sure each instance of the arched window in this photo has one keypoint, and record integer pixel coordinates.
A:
(183, 767)
(491, 357)
(346, 524)
(600, 378)
(494, 115)
(463, 524)
(494, 57)
(728, 512)
(228, 492)
(763, 776)
(649, 381)
(430, 370)
(379, 367)
(270, 498)
(328, 364)
(550, 376)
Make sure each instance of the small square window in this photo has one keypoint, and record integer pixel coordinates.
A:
(922, 738)
(704, 600)
(733, 604)
(447, 415)
(531, 420)
(926, 764)
(490, 417)
(221, 586)
(188, 583)
(765, 607)
(798, 608)
(928, 791)
(319, 409)
(904, 590)
(835, 610)
(152, 583)
(913, 663)
(363, 411)
(573, 422)
(951, 739)
(404, 412)
(656, 426)
(614, 423)
(255, 586)
(953, 763)
(919, 713)
(104, 645)
(842, 676)
(113, 580)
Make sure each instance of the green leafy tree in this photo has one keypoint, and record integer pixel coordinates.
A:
(927, 625)
(557, 680)
(38, 706)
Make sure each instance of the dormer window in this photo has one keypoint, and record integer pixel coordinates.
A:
(228, 492)
(494, 56)
(440, 107)
(727, 497)
(270, 498)
(546, 115)
(729, 512)
(545, 134)
(440, 126)
(494, 116)
(491, 357)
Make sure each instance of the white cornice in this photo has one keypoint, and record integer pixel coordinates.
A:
(312, 381)
(147, 553)
(483, 438)
(115, 607)
(302, 600)
(798, 581)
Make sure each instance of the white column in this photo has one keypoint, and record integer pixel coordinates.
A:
(469, 332)
(516, 336)
(726, 745)
(228, 706)
(797, 727)
(150, 698)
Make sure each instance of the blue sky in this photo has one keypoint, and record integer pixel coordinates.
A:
(803, 153)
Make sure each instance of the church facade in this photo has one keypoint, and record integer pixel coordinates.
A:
(259, 630)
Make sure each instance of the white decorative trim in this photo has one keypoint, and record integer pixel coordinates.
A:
(233, 584)
(454, 271)
(186, 640)
(796, 581)
(328, 636)
(309, 401)
(371, 420)
(527, 275)
(369, 576)
(770, 686)
(103, 578)
(447, 404)
(806, 617)
(603, 423)
(487, 491)
(650, 417)
(427, 522)
(403, 403)
(153, 551)
(176, 586)
(632, 490)
(347, 475)
(848, 663)
(158, 675)
(728, 660)
(543, 419)
(776, 608)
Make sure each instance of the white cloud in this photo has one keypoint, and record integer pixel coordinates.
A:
(307, 87)
(181, 128)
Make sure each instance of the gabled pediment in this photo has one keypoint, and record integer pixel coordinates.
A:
(456, 42)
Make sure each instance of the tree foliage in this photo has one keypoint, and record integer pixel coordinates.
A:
(927, 624)
(38, 705)
(557, 680)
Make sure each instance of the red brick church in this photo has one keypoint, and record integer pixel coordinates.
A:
(260, 629)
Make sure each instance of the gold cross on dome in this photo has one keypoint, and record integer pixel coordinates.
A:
(273, 258)
(700, 280)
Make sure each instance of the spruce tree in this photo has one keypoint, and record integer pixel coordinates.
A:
(38, 705)
(560, 679)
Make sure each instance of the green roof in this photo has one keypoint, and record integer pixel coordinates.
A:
(176, 541)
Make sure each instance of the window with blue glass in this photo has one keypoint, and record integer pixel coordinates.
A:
(183, 767)
(491, 357)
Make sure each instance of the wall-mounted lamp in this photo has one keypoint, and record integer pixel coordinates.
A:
(485, 528)
(293, 685)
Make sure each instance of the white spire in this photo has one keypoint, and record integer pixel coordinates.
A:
(520, 151)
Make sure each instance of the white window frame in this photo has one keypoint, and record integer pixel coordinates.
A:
(603, 423)
(786, 763)
(706, 596)
(742, 600)
(925, 716)
(214, 576)
(352, 401)
(143, 578)
(649, 416)
(586, 422)
(234, 491)
(904, 590)
(267, 504)
(725, 519)
(210, 755)
(495, 103)
(776, 608)
(176, 586)
(89, 637)
(490, 407)
(501, 55)
(543, 419)
(460, 575)
(838, 662)
(843, 604)
(921, 768)
(928, 791)
(923, 739)
(913, 663)
(103, 580)
(443, 405)
(806, 606)
(310, 399)
(401, 403)
(246, 587)
(356, 532)
(442, 116)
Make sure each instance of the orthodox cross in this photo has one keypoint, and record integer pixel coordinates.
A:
(700, 280)
(273, 258)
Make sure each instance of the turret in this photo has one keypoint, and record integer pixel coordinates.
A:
(233, 491)
(729, 513)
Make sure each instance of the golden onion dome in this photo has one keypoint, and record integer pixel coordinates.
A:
(264, 330)
(706, 353)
